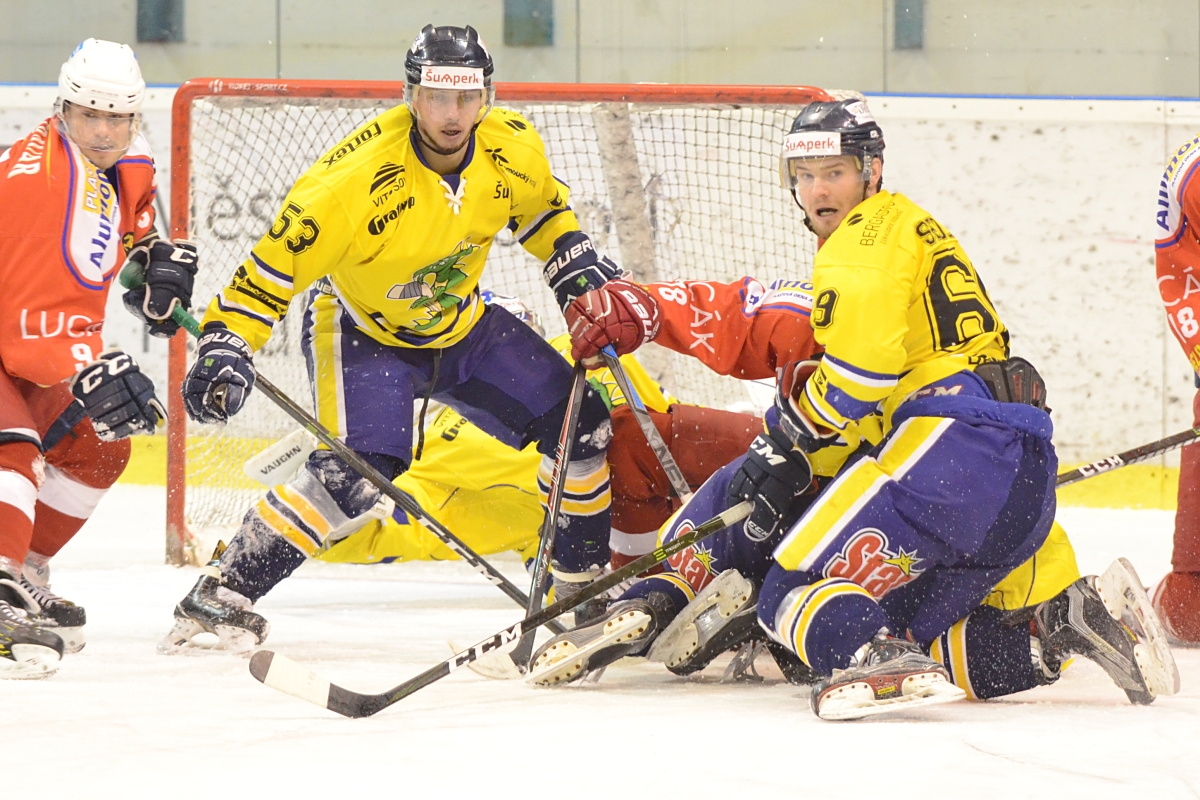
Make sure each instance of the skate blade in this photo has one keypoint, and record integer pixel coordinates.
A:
(1125, 598)
(73, 640)
(857, 700)
(29, 662)
(189, 637)
(564, 661)
(495, 664)
(681, 638)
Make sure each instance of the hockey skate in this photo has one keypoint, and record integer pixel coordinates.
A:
(211, 608)
(722, 616)
(623, 630)
(27, 650)
(58, 613)
(888, 675)
(1108, 619)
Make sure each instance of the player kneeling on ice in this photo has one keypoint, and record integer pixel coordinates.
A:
(956, 493)
(76, 194)
(396, 317)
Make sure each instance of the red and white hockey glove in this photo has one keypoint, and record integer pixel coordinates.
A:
(619, 313)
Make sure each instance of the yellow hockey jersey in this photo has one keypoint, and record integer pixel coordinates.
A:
(897, 306)
(401, 246)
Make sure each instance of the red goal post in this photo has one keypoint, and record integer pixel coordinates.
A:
(674, 181)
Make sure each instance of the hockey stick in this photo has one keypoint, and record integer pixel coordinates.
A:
(523, 652)
(131, 277)
(281, 673)
(678, 484)
(1129, 457)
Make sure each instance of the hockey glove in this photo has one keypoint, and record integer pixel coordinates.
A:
(575, 268)
(118, 397)
(801, 430)
(169, 270)
(771, 475)
(218, 383)
(619, 313)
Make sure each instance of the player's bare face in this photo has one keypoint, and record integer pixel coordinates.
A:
(828, 189)
(445, 118)
(102, 136)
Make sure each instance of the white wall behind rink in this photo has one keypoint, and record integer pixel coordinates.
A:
(1054, 201)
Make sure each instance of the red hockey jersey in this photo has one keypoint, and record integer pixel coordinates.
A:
(64, 230)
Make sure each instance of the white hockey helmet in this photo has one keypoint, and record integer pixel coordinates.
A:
(104, 76)
(517, 307)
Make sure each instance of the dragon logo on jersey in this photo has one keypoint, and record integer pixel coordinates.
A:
(431, 286)
(868, 560)
(695, 563)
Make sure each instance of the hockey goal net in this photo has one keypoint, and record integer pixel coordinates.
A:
(672, 181)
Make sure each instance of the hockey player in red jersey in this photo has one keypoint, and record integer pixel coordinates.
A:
(76, 199)
(1177, 256)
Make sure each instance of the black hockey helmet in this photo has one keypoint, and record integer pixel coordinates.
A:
(449, 57)
(447, 46)
(822, 129)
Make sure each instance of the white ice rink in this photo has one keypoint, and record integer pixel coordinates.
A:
(118, 720)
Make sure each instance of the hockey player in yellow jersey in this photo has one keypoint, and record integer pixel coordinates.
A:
(392, 227)
(893, 558)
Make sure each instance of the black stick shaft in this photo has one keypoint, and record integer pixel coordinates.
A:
(1129, 457)
(679, 485)
(130, 277)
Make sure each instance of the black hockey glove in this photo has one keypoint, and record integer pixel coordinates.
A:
(169, 270)
(771, 475)
(219, 381)
(576, 268)
(118, 397)
(796, 425)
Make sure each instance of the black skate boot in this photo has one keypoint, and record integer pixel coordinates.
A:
(66, 618)
(722, 616)
(27, 650)
(889, 674)
(1077, 621)
(213, 608)
(625, 629)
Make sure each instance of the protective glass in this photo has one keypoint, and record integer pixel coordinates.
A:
(442, 100)
(98, 130)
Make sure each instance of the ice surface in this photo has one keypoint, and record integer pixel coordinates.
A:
(120, 720)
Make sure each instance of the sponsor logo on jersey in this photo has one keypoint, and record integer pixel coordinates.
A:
(754, 292)
(812, 144)
(854, 219)
(379, 224)
(43, 325)
(694, 563)
(875, 228)
(30, 161)
(516, 124)
(387, 181)
(498, 156)
(350, 145)
(242, 283)
(452, 77)
(869, 560)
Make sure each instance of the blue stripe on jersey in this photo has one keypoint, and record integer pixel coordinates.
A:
(280, 279)
(537, 223)
(847, 404)
(874, 380)
(233, 308)
(803, 311)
